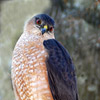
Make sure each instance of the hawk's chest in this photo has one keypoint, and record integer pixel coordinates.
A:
(29, 70)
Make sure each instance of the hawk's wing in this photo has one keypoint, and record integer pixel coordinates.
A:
(61, 72)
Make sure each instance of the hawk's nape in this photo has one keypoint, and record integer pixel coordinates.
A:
(61, 72)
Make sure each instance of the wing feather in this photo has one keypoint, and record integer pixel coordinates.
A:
(61, 72)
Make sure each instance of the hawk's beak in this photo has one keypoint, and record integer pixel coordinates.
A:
(44, 29)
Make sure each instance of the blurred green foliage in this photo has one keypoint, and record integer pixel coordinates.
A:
(77, 28)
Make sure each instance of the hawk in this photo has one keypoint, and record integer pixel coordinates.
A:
(41, 67)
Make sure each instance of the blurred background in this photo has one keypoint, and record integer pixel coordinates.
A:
(77, 28)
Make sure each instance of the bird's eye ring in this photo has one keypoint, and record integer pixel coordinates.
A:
(51, 29)
(38, 21)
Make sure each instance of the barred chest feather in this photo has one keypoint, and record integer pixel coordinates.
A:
(29, 73)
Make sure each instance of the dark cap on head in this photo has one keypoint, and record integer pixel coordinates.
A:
(47, 19)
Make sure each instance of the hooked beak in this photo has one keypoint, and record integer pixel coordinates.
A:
(44, 29)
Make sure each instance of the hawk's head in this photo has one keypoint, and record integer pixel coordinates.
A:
(40, 24)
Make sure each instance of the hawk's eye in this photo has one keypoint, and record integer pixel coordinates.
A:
(38, 21)
(51, 29)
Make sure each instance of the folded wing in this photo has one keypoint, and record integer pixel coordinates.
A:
(61, 72)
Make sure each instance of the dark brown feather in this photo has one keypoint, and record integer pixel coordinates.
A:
(61, 72)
